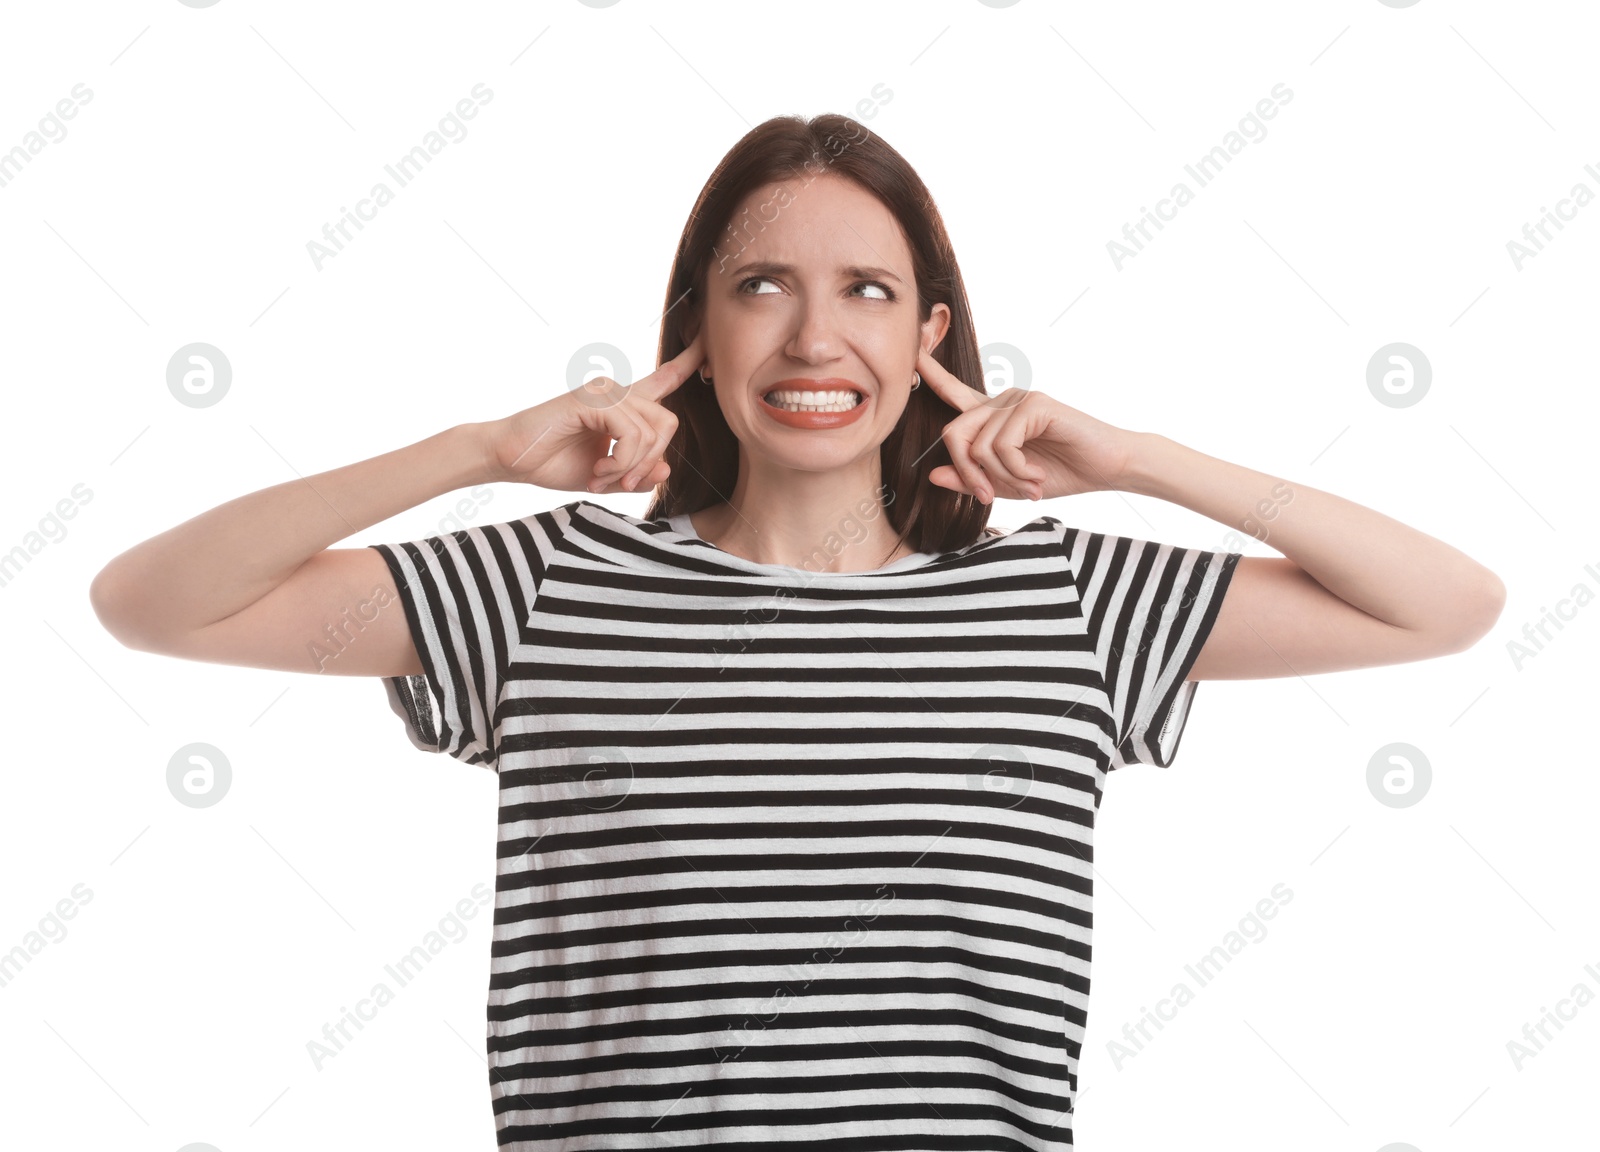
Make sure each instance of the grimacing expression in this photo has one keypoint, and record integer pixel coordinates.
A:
(823, 291)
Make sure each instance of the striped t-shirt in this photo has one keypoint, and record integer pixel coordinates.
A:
(788, 858)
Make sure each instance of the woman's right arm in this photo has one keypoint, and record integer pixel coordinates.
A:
(254, 581)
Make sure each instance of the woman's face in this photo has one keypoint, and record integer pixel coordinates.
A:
(813, 288)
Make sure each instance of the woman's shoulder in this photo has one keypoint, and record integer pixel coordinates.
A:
(1039, 524)
(589, 511)
(583, 521)
(582, 514)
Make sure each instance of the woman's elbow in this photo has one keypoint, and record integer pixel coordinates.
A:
(1479, 613)
(108, 598)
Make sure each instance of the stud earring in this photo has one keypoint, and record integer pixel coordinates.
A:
(916, 381)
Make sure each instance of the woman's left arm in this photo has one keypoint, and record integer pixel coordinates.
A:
(1353, 588)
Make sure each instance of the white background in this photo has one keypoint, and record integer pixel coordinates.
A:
(218, 142)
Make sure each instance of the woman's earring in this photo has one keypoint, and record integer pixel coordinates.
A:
(916, 380)
(706, 376)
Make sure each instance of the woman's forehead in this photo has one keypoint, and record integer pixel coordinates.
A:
(831, 222)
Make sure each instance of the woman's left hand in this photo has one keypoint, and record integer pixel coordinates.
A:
(1023, 445)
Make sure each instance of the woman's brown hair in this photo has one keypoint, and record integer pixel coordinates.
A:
(704, 453)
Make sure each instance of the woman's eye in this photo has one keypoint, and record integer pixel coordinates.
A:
(744, 287)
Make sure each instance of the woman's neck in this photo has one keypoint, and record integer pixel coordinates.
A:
(843, 543)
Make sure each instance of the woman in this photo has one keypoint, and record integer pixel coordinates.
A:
(799, 771)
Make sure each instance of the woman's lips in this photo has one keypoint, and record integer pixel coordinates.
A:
(814, 419)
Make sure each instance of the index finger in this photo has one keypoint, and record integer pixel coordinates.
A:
(674, 372)
(953, 391)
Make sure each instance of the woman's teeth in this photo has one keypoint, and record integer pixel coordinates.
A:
(836, 401)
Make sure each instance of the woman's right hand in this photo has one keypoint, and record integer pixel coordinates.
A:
(565, 443)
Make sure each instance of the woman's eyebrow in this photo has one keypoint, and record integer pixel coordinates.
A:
(855, 271)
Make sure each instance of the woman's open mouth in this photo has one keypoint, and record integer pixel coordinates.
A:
(833, 400)
(819, 404)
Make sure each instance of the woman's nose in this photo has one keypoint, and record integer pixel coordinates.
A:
(816, 337)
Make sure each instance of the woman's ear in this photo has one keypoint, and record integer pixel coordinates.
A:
(689, 328)
(688, 319)
(935, 327)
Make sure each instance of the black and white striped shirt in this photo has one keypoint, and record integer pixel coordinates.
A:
(791, 858)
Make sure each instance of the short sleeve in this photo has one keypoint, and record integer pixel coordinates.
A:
(466, 597)
(1148, 609)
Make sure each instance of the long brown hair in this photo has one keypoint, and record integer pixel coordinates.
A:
(704, 453)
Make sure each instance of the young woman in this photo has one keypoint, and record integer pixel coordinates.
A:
(799, 771)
